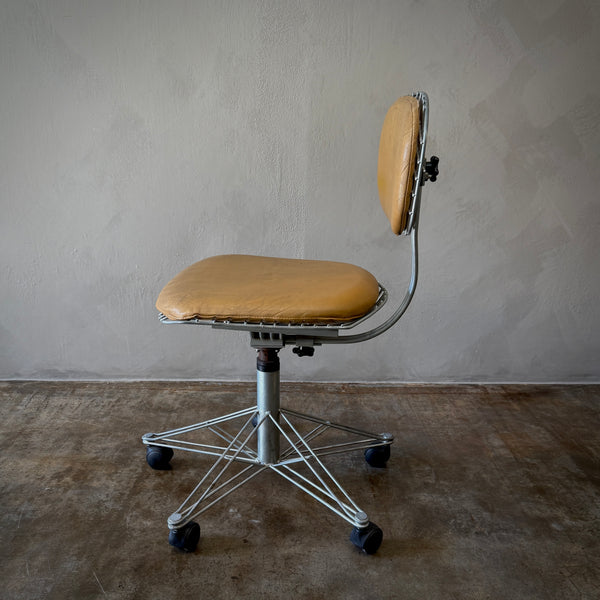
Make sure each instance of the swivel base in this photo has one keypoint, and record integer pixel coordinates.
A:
(263, 438)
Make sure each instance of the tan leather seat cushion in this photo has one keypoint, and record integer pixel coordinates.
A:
(255, 288)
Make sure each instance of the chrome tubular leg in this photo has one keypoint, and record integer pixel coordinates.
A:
(267, 400)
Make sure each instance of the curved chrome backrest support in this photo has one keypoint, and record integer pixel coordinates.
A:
(395, 317)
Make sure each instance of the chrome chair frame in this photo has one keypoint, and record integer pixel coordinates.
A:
(256, 446)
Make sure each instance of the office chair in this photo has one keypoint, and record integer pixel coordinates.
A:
(303, 304)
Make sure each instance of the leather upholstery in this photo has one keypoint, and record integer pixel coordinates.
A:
(255, 288)
(397, 157)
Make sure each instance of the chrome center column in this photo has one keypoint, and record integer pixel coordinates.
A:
(267, 400)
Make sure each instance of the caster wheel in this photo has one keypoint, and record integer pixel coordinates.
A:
(378, 456)
(367, 539)
(186, 538)
(158, 457)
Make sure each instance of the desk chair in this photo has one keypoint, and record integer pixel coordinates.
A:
(303, 304)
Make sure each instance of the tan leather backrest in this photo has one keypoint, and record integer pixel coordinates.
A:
(397, 156)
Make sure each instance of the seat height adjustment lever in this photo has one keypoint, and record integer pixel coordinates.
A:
(303, 350)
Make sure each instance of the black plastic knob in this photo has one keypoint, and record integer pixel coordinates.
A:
(431, 168)
(304, 350)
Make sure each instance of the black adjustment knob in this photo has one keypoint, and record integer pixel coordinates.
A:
(304, 350)
(431, 168)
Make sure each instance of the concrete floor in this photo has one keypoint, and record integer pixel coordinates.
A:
(491, 492)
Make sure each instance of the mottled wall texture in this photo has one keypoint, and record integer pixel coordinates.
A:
(139, 136)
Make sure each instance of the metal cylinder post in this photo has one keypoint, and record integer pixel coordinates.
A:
(267, 401)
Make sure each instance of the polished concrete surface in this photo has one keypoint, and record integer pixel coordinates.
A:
(491, 492)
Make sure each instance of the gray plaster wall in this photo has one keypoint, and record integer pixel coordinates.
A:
(138, 137)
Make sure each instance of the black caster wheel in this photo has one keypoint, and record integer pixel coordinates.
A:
(378, 456)
(158, 457)
(367, 539)
(185, 538)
